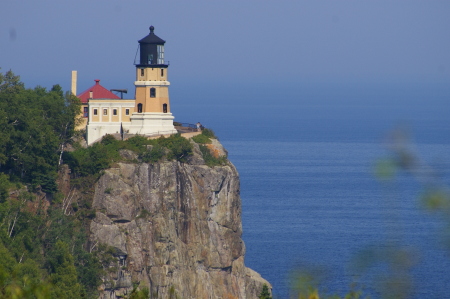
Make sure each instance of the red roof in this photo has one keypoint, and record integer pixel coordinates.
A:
(98, 92)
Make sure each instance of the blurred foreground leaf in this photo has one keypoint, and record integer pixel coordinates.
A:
(385, 169)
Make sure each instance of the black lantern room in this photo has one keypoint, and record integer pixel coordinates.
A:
(151, 50)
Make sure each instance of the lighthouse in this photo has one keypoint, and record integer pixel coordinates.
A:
(148, 114)
(152, 106)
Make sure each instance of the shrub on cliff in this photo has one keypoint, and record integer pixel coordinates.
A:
(139, 294)
(153, 155)
(205, 137)
(101, 155)
(209, 133)
(209, 159)
(139, 142)
(91, 160)
(179, 147)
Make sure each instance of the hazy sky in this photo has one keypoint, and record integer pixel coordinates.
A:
(232, 42)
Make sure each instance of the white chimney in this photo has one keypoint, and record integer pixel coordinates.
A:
(74, 83)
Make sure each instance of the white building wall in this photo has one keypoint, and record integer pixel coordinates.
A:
(97, 127)
(146, 124)
(96, 131)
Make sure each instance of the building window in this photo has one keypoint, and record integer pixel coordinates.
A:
(95, 112)
(164, 108)
(105, 111)
(114, 111)
(142, 72)
(127, 111)
(152, 92)
(162, 72)
(85, 111)
(139, 108)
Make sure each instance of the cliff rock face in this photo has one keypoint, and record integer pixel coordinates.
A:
(175, 228)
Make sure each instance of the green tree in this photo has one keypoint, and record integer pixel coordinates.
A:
(20, 280)
(4, 187)
(265, 294)
(35, 125)
(64, 274)
(10, 83)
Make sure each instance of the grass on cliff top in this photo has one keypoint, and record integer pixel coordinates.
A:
(205, 137)
(102, 155)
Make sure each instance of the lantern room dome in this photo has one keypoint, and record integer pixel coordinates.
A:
(152, 38)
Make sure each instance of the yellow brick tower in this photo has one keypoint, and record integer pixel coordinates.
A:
(152, 109)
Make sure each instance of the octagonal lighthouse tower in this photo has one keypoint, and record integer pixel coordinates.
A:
(152, 107)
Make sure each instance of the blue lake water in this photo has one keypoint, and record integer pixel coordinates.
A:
(309, 194)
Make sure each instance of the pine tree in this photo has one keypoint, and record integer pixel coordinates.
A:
(265, 294)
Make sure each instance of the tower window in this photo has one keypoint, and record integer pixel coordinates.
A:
(164, 108)
(105, 111)
(142, 72)
(85, 112)
(162, 72)
(139, 108)
(152, 92)
(127, 111)
(95, 112)
(160, 50)
(114, 111)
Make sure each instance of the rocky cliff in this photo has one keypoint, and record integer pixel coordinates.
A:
(175, 228)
